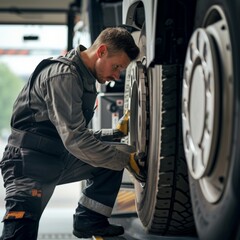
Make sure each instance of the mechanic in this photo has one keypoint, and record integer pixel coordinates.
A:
(50, 143)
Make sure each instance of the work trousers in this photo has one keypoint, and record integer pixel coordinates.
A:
(30, 178)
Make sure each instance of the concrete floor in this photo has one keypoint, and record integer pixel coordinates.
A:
(56, 222)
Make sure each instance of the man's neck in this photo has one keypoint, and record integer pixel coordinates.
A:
(88, 59)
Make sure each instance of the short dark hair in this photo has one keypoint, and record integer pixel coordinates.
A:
(118, 39)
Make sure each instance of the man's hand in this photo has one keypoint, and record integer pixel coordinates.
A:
(135, 168)
(122, 126)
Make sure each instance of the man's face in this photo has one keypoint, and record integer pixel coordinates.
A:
(109, 67)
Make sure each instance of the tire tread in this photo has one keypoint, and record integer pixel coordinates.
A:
(173, 211)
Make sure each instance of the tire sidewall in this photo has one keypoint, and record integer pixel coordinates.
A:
(147, 195)
(220, 220)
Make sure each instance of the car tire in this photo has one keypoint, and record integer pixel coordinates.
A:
(153, 96)
(211, 135)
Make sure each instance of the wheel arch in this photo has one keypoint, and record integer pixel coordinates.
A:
(169, 27)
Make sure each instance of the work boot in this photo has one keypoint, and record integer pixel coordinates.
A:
(88, 223)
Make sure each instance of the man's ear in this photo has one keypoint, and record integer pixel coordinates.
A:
(101, 51)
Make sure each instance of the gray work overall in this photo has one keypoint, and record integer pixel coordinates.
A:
(33, 165)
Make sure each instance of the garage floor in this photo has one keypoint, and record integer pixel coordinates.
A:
(57, 224)
(56, 221)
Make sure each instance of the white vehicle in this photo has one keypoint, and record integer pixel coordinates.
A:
(183, 94)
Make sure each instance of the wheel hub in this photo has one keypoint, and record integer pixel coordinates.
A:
(199, 103)
(208, 66)
(137, 106)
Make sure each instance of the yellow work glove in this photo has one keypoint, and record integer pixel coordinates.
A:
(122, 126)
(135, 168)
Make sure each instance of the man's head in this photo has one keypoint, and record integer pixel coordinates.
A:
(115, 49)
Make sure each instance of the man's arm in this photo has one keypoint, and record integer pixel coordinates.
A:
(64, 103)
